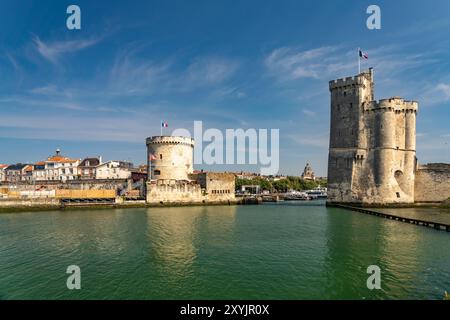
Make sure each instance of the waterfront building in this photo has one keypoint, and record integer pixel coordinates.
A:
(247, 175)
(2, 172)
(14, 172)
(372, 152)
(308, 173)
(143, 168)
(278, 178)
(39, 173)
(58, 167)
(88, 166)
(27, 174)
(114, 169)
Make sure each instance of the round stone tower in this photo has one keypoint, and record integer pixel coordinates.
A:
(169, 157)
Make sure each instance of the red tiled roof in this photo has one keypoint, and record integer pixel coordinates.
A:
(61, 159)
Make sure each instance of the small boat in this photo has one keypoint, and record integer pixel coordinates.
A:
(296, 195)
(317, 193)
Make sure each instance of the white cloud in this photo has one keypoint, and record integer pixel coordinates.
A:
(208, 71)
(293, 64)
(132, 75)
(435, 94)
(75, 128)
(309, 113)
(51, 90)
(320, 140)
(330, 62)
(53, 51)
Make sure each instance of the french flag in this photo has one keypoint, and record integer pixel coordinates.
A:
(363, 55)
(164, 124)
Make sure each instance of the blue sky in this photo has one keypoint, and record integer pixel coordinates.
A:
(103, 89)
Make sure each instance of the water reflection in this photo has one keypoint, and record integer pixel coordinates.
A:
(356, 241)
(177, 235)
(104, 231)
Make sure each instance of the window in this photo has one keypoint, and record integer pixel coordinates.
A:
(157, 172)
(160, 156)
(398, 194)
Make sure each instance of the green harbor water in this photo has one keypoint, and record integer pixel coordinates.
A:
(274, 251)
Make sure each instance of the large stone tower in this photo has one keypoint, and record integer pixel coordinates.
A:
(170, 158)
(372, 145)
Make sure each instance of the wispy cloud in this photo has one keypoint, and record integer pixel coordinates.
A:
(319, 140)
(309, 113)
(51, 90)
(13, 61)
(329, 62)
(435, 94)
(233, 92)
(43, 104)
(294, 64)
(133, 75)
(208, 71)
(52, 51)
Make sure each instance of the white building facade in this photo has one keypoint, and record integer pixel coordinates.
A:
(113, 170)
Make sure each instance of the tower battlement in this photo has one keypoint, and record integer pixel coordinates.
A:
(354, 81)
(170, 140)
(395, 104)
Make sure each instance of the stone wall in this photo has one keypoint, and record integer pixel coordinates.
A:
(85, 184)
(432, 183)
(205, 187)
(14, 203)
(82, 189)
(173, 191)
(217, 186)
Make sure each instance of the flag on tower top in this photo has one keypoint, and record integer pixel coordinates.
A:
(363, 55)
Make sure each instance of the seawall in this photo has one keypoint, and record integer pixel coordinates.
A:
(11, 206)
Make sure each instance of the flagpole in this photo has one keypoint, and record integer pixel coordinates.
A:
(160, 126)
(359, 61)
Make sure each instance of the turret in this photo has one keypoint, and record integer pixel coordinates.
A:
(169, 157)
